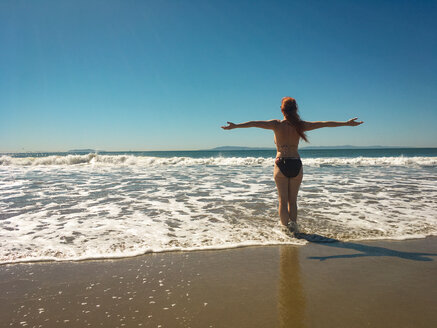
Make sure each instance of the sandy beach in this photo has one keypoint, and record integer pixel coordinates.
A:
(340, 284)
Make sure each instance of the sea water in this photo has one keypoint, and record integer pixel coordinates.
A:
(63, 206)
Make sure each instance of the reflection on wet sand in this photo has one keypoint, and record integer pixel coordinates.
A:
(291, 301)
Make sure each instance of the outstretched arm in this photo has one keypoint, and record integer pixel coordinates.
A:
(270, 125)
(330, 124)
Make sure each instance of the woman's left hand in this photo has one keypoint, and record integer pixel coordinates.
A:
(353, 122)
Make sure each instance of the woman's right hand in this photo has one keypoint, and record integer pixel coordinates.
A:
(230, 126)
(353, 122)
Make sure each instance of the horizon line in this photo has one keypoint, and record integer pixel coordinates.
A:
(89, 150)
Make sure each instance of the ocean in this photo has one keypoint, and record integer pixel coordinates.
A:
(64, 206)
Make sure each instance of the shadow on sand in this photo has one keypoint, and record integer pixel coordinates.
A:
(365, 250)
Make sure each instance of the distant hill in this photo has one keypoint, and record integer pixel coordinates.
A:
(241, 148)
(351, 147)
(82, 151)
(307, 147)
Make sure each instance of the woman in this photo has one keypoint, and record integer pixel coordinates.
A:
(288, 166)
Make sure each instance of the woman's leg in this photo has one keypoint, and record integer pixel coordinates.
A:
(282, 185)
(293, 189)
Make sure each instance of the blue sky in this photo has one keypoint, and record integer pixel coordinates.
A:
(163, 75)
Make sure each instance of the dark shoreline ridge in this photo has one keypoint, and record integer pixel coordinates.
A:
(83, 151)
(217, 149)
(313, 147)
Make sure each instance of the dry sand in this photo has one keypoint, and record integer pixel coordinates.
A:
(343, 284)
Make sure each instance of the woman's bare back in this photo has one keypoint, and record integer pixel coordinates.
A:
(286, 139)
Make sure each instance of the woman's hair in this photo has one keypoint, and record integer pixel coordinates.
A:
(289, 109)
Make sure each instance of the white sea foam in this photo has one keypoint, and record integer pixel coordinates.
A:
(104, 206)
(116, 160)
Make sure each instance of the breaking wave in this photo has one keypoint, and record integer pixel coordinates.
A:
(96, 159)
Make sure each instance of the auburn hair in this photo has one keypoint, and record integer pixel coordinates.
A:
(289, 109)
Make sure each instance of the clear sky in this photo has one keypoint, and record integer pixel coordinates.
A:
(162, 75)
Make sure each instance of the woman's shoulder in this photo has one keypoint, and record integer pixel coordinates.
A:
(274, 123)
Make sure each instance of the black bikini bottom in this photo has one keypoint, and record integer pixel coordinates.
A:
(289, 166)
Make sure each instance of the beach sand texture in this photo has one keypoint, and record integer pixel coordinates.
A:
(343, 284)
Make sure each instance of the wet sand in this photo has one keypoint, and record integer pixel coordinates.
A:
(340, 284)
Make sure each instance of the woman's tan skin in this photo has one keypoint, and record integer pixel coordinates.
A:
(287, 141)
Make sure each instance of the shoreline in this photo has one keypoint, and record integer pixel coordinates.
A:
(310, 238)
(378, 283)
